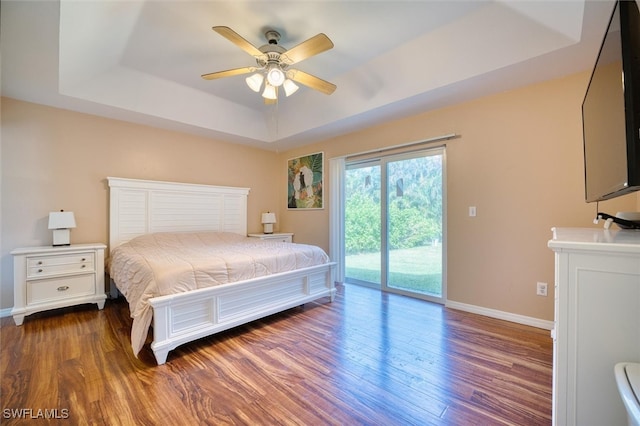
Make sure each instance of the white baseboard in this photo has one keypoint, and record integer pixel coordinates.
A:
(507, 316)
(5, 312)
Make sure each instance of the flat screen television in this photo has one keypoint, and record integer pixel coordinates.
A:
(611, 109)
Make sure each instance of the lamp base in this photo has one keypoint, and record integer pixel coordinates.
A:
(268, 228)
(61, 237)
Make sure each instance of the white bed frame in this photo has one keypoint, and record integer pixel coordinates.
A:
(139, 207)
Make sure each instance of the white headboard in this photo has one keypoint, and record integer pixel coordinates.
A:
(138, 207)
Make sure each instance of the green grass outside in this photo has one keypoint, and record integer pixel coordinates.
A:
(418, 269)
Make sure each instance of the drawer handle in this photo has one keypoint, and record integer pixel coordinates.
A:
(40, 262)
(63, 288)
(84, 259)
(39, 270)
(83, 266)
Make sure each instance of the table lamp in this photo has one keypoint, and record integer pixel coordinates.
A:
(268, 219)
(61, 222)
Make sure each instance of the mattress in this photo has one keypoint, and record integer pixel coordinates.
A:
(160, 264)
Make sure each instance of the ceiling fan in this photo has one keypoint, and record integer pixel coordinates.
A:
(273, 64)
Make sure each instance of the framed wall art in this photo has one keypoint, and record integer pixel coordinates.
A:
(304, 181)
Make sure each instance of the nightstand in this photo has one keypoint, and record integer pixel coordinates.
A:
(54, 277)
(285, 237)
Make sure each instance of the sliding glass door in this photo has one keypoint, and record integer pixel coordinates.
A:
(394, 223)
(362, 217)
(414, 224)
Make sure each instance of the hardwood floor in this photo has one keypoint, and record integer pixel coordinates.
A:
(367, 358)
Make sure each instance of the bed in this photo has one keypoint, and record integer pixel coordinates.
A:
(145, 212)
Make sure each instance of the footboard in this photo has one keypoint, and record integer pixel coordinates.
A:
(185, 317)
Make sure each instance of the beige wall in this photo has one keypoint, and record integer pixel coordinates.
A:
(518, 160)
(55, 159)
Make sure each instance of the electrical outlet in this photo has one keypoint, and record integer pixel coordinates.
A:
(541, 289)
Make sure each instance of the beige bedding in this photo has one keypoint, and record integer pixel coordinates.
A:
(166, 263)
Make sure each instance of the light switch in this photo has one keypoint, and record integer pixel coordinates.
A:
(472, 211)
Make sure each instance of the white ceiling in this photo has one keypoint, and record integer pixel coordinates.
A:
(141, 61)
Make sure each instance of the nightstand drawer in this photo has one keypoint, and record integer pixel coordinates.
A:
(283, 239)
(41, 291)
(43, 266)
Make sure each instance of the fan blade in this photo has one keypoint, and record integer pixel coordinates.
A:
(238, 40)
(228, 73)
(311, 81)
(306, 49)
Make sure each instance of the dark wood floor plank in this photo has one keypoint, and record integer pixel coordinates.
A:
(368, 358)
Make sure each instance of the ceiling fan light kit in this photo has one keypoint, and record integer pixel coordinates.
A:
(273, 63)
(270, 92)
(275, 76)
(289, 87)
(255, 82)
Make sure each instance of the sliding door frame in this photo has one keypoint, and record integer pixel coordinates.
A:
(337, 169)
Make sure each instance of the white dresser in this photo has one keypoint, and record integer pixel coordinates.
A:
(54, 277)
(597, 322)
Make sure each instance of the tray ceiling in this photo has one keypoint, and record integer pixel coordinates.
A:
(141, 61)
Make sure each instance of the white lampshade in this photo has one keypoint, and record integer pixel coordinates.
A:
(270, 92)
(61, 222)
(255, 81)
(289, 87)
(268, 219)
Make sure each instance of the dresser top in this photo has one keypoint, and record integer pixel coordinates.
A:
(58, 249)
(618, 240)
